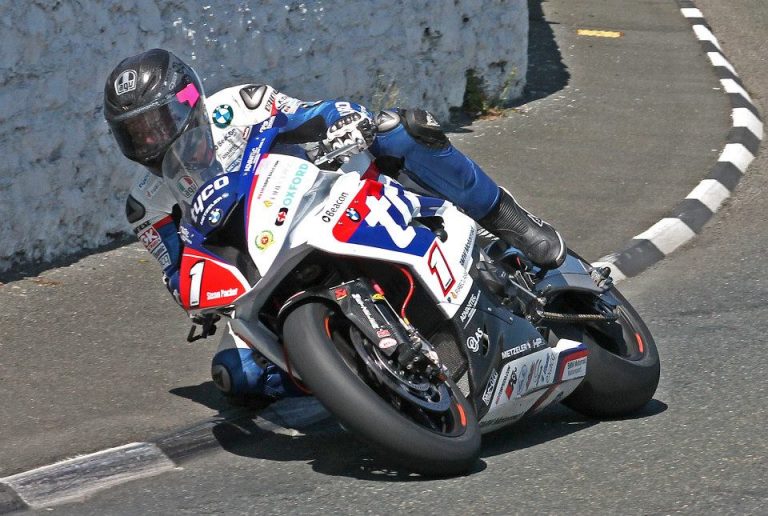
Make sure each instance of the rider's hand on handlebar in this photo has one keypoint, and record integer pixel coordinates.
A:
(354, 128)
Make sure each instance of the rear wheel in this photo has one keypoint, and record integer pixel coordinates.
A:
(622, 369)
(428, 428)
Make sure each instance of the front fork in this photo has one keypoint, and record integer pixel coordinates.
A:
(368, 310)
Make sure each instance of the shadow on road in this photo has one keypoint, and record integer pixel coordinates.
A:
(205, 394)
(552, 423)
(332, 451)
(546, 73)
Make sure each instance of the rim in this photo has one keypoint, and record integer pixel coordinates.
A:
(450, 421)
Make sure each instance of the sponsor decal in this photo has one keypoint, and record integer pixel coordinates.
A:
(431, 120)
(573, 364)
(222, 116)
(165, 260)
(473, 341)
(227, 292)
(546, 369)
(533, 373)
(510, 388)
(253, 158)
(184, 235)
(439, 268)
(345, 108)
(298, 177)
(214, 217)
(387, 343)
(159, 251)
(467, 247)
(206, 193)
(523, 348)
(469, 310)
(286, 104)
(382, 332)
(368, 315)
(125, 82)
(282, 213)
(268, 204)
(267, 124)
(340, 293)
(153, 188)
(186, 186)
(523, 375)
(352, 214)
(331, 212)
(575, 369)
(141, 227)
(536, 220)
(150, 238)
(488, 393)
(264, 240)
(252, 95)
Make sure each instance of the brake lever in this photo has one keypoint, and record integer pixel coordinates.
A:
(341, 151)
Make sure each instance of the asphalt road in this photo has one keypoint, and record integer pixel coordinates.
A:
(637, 125)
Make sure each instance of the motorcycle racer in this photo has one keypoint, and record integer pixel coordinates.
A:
(153, 97)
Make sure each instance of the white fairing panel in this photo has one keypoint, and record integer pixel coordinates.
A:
(276, 193)
(534, 381)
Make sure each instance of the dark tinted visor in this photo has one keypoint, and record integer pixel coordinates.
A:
(149, 132)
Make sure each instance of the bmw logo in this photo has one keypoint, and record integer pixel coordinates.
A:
(222, 116)
(353, 215)
(215, 216)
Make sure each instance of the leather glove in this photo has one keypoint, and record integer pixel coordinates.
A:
(352, 128)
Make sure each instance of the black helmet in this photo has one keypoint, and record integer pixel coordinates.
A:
(149, 100)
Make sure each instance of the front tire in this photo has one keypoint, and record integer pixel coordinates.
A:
(316, 356)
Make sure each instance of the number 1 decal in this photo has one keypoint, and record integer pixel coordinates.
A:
(196, 280)
(439, 267)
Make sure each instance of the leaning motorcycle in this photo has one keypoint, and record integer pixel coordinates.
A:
(384, 305)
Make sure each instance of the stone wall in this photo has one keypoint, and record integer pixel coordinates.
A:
(62, 179)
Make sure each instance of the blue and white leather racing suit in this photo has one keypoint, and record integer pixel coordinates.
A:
(410, 138)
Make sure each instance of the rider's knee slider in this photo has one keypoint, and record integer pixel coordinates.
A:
(424, 128)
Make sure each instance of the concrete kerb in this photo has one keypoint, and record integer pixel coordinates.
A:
(81, 476)
(74, 479)
(692, 213)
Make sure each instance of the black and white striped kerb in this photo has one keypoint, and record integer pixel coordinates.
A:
(690, 215)
(73, 479)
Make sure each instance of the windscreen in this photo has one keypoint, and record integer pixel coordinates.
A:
(191, 162)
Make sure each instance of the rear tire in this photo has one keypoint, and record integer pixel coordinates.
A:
(621, 380)
(315, 356)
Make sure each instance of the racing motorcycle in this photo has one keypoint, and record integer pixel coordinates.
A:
(388, 306)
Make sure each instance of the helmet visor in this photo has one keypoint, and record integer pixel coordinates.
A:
(147, 133)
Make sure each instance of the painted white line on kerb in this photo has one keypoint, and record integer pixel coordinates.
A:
(711, 193)
(73, 479)
(690, 12)
(731, 86)
(717, 59)
(743, 117)
(705, 34)
(737, 154)
(616, 274)
(667, 234)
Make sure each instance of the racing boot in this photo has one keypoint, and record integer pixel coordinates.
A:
(539, 241)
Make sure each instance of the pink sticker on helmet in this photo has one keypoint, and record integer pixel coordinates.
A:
(189, 94)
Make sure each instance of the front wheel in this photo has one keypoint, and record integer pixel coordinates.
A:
(622, 369)
(319, 342)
